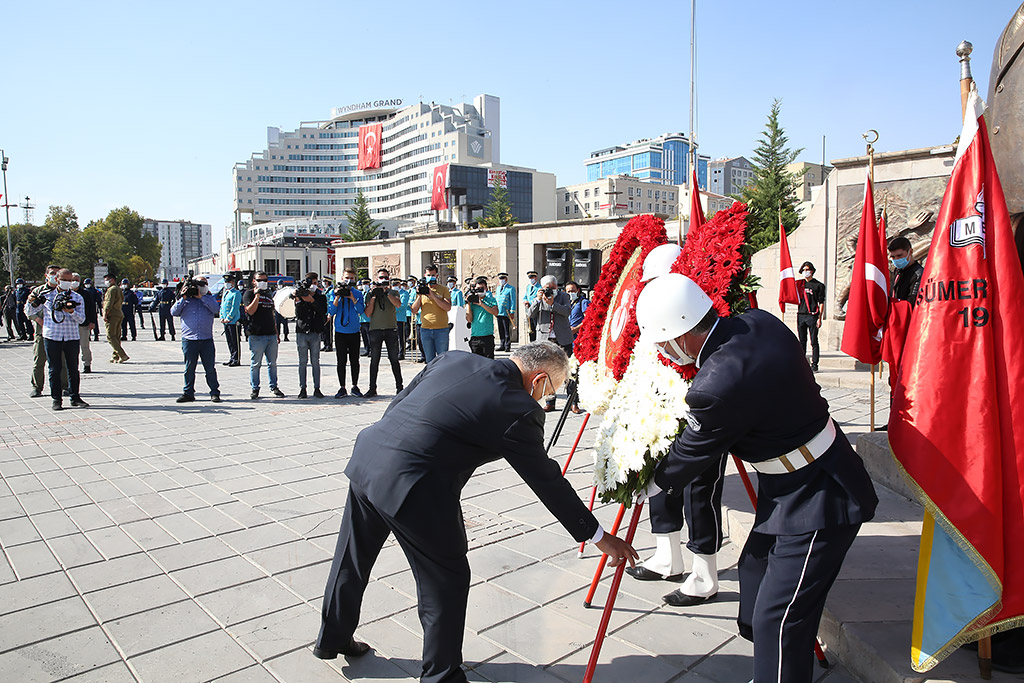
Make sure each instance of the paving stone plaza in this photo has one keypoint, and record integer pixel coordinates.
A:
(149, 541)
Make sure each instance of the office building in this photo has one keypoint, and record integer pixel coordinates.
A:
(808, 175)
(617, 196)
(664, 160)
(182, 241)
(730, 175)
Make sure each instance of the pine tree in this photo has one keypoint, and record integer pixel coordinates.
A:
(498, 212)
(361, 226)
(773, 185)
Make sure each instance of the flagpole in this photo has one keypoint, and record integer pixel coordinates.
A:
(870, 138)
(963, 51)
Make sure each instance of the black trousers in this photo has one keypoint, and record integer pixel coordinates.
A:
(61, 354)
(701, 502)
(11, 318)
(167, 319)
(403, 330)
(327, 336)
(784, 581)
(431, 533)
(24, 324)
(808, 324)
(380, 338)
(364, 334)
(533, 329)
(230, 334)
(126, 322)
(482, 346)
(281, 322)
(504, 333)
(346, 347)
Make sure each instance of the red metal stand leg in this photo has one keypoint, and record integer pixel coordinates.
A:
(604, 559)
(593, 496)
(586, 419)
(613, 591)
(822, 661)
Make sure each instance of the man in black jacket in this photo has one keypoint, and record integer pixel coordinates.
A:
(163, 301)
(906, 276)
(406, 475)
(91, 300)
(310, 320)
(755, 397)
(810, 310)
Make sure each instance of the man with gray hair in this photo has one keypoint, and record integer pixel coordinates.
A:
(549, 312)
(406, 474)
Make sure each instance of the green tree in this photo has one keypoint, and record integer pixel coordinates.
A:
(773, 186)
(33, 247)
(139, 270)
(62, 218)
(361, 226)
(498, 212)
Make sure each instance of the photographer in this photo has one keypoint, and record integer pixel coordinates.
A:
(480, 314)
(263, 339)
(346, 304)
(381, 307)
(63, 311)
(435, 302)
(310, 320)
(549, 313)
(197, 309)
(35, 322)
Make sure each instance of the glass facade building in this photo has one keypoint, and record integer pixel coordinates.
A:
(664, 159)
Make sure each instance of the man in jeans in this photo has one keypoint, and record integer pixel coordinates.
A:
(435, 302)
(381, 307)
(310, 320)
(345, 305)
(230, 311)
(197, 311)
(263, 340)
(60, 331)
(480, 315)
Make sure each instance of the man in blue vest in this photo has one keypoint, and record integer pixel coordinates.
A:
(506, 297)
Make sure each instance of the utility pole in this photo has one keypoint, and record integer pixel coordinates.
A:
(7, 211)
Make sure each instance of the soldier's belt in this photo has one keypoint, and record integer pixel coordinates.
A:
(802, 456)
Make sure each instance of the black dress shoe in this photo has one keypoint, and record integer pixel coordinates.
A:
(185, 398)
(372, 393)
(353, 649)
(57, 405)
(78, 403)
(641, 573)
(36, 393)
(215, 398)
(677, 598)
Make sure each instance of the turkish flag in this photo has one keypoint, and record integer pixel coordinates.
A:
(788, 292)
(869, 290)
(696, 212)
(883, 239)
(369, 145)
(439, 188)
(957, 424)
(231, 262)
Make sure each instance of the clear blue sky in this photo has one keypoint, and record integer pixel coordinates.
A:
(150, 104)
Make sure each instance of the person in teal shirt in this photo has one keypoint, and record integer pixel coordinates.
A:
(528, 296)
(402, 313)
(480, 313)
(230, 311)
(458, 299)
(506, 296)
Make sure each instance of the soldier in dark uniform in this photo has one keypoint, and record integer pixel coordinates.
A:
(163, 301)
(128, 306)
(754, 396)
(906, 276)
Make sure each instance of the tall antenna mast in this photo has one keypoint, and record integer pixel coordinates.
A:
(693, 145)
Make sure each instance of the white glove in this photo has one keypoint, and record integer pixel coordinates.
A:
(651, 490)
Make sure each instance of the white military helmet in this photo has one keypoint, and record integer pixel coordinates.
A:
(669, 306)
(659, 260)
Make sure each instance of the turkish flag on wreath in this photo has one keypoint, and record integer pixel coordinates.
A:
(439, 191)
(369, 145)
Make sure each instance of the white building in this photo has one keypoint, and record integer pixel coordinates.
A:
(313, 170)
(182, 241)
(664, 160)
(730, 175)
(617, 196)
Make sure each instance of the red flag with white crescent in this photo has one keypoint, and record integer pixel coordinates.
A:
(696, 212)
(439, 188)
(369, 145)
(788, 292)
(869, 290)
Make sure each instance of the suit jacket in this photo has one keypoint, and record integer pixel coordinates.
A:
(113, 298)
(557, 314)
(755, 397)
(461, 412)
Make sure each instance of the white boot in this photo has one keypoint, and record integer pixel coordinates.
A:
(667, 559)
(703, 578)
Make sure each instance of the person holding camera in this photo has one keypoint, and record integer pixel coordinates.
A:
(197, 309)
(381, 307)
(63, 311)
(113, 297)
(230, 311)
(346, 304)
(36, 322)
(433, 301)
(549, 312)
(263, 338)
(480, 313)
(310, 320)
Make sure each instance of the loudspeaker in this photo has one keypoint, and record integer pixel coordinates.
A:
(587, 263)
(558, 264)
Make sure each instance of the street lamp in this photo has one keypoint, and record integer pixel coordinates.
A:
(7, 210)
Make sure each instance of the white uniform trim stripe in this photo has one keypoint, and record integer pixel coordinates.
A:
(799, 583)
(717, 509)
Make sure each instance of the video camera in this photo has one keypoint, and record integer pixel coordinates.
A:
(187, 287)
(302, 288)
(473, 297)
(343, 290)
(422, 287)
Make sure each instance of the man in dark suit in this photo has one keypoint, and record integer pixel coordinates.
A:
(406, 474)
(755, 396)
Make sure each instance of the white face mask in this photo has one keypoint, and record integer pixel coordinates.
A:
(228, 285)
(261, 285)
(204, 290)
(544, 394)
(673, 350)
(807, 274)
(74, 284)
(65, 284)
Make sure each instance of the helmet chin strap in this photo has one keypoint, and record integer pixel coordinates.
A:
(674, 351)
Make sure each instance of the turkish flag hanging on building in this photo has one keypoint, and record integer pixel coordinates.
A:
(369, 145)
(957, 424)
(869, 290)
(696, 212)
(439, 188)
(788, 292)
